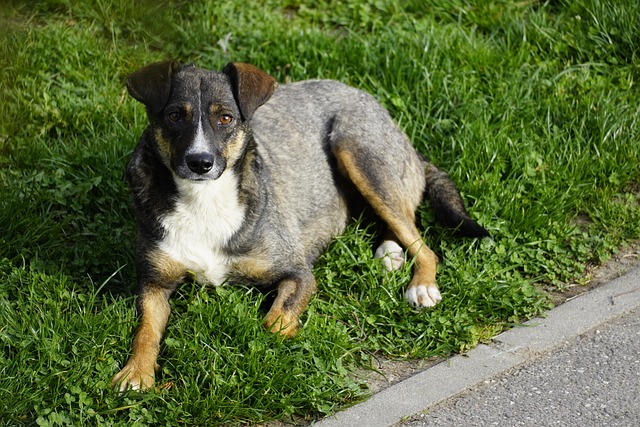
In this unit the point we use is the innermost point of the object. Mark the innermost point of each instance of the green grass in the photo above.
(531, 106)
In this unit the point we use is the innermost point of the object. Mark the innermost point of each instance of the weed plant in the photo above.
(531, 106)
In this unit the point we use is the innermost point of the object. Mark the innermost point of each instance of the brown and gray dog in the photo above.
(238, 180)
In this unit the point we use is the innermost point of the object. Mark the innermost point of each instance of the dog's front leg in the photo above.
(139, 372)
(294, 293)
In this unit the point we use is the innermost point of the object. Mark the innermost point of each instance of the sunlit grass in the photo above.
(531, 107)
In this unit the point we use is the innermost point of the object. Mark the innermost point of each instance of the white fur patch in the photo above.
(205, 217)
(391, 255)
(199, 142)
(422, 296)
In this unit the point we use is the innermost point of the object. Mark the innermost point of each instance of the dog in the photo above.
(239, 180)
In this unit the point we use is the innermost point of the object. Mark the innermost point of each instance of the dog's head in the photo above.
(199, 118)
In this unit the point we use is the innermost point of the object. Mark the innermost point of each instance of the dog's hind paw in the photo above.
(422, 296)
(391, 255)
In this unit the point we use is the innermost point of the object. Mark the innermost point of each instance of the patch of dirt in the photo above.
(387, 372)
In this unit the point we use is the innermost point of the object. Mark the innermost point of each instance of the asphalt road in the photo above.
(591, 382)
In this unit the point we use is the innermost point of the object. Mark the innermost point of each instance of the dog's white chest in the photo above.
(205, 217)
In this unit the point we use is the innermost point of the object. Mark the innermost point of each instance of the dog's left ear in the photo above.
(151, 85)
(251, 86)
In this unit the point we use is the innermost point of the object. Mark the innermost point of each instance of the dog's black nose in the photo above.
(200, 163)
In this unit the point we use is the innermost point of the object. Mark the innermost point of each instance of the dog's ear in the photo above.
(151, 85)
(251, 86)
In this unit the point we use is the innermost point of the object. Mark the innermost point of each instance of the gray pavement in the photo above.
(580, 365)
(594, 381)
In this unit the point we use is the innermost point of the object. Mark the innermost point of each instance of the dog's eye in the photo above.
(174, 117)
(225, 120)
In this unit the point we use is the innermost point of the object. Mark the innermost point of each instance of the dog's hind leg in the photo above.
(390, 252)
(395, 198)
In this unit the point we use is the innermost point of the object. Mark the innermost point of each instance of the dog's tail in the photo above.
(445, 199)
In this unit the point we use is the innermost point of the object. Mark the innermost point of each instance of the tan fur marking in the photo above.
(164, 147)
(139, 372)
(188, 109)
(215, 109)
(285, 320)
(235, 147)
(254, 267)
(400, 219)
(283, 324)
(167, 270)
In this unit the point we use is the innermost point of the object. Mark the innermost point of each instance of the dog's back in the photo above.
(298, 131)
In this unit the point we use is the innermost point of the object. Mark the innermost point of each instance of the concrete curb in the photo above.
(512, 348)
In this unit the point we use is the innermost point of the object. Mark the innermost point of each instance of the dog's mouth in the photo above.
(194, 177)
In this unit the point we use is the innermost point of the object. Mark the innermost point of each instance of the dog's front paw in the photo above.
(132, 377)
(281, 323)
(422, 296)
(391, 255)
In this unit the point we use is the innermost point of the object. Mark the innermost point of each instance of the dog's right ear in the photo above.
(151, 85)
